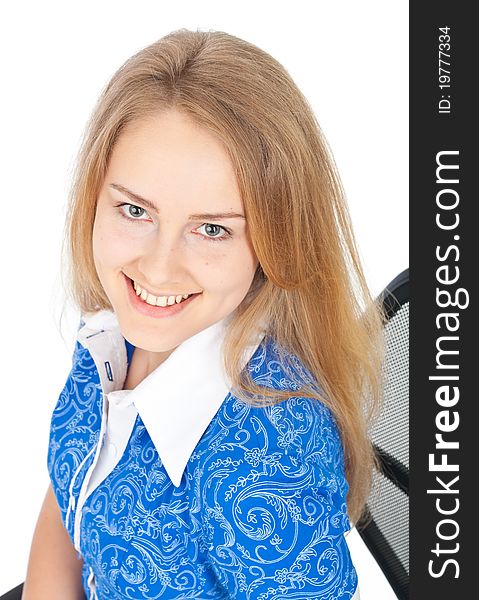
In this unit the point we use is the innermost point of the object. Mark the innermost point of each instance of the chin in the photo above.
(150, 342)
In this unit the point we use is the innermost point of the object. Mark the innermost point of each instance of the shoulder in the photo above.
(273, 491)
(297, 425)
(275, 367)
(293, 443)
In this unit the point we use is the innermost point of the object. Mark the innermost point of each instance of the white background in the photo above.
(349, 58)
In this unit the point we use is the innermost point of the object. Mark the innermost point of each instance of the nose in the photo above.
(161, 263)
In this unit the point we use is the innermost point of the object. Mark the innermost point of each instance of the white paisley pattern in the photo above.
(260, 513)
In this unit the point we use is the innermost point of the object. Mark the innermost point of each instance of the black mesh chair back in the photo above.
(15, 594)
(386, 530)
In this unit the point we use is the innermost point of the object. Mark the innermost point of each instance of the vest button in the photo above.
(111, 450)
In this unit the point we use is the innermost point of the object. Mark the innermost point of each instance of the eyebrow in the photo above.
(151, 206)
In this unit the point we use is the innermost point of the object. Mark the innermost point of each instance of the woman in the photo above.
(211, 440)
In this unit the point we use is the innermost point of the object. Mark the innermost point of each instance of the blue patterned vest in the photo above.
(260, 512)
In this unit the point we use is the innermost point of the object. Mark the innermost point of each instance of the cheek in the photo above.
(97, 243)
(109, 248)
(231, 272)
(245, 264)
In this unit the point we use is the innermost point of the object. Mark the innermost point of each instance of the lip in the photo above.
(157, 312)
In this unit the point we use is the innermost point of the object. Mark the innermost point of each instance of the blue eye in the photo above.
(214, 232)
(131, 211)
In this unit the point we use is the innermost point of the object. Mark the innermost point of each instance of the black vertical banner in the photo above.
(444, 423)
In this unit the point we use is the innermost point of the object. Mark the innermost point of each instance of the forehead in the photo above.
(167, 156)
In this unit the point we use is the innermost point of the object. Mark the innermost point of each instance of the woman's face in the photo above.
(170, 223)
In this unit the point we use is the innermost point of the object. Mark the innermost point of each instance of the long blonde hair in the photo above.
(310, 289)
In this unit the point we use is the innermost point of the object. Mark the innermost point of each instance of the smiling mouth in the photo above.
(162, 301)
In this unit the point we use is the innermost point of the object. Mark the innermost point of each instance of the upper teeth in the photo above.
(158, 300)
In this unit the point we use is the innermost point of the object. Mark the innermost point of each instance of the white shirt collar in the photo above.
(178, 400)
